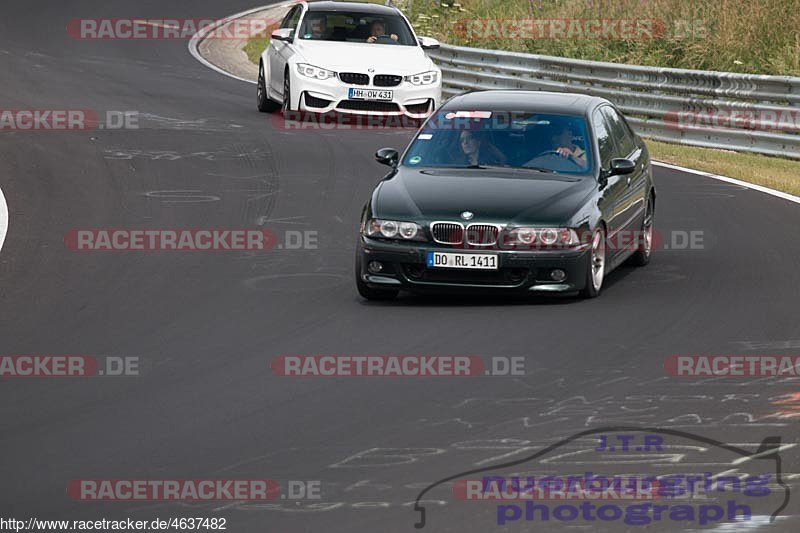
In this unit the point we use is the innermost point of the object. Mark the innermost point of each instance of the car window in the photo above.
(605, 144)
(620, 131)
(462, 139)
(293, 18)
(356, 27)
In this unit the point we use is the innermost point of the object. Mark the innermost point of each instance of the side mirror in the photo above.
(621, 167)
(283, 34)
(387, 156)
(428, 43)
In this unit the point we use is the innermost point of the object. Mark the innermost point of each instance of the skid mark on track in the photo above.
(182, 196)
(200, 124)
(170, 155)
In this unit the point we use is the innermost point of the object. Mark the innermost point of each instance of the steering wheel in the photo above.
(555, 161)
(549, 152)
(385, 39)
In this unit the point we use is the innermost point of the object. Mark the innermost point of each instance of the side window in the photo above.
(619, 131)
(292, 18)
(296, 18)
(604, 143)
(288, 17)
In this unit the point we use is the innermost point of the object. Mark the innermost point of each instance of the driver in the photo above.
(562, 144)
(378, 29)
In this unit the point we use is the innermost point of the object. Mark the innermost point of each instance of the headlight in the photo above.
(310, 71)
(423, 78)
(408, 230)
(543, 237)
(391, 229)
(525, 235)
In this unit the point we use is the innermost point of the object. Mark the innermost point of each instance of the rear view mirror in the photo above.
(387, 156)
(283, 34)
(621, 166)
(428, 43)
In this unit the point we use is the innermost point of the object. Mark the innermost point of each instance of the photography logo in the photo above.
(635, 476)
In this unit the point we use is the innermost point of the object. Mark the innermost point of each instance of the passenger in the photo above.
(476, 149)
(318, 27)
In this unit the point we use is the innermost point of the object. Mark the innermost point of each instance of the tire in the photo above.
(596, 267)
(265, 105)
(369, 293)
(645, 250)
(287, 93)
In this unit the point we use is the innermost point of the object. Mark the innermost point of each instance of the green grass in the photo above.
(773, 172)
(254, 47)
(747, 36)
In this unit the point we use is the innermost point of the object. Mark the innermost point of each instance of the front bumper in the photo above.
(404, 268)
(323, 96)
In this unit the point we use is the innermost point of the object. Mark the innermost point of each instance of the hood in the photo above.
(358, 57)
(497, 196)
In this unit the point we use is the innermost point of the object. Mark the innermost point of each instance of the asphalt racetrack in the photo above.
(206, 326)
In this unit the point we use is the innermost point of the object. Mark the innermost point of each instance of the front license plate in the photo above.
(369, 94)
(471, 261)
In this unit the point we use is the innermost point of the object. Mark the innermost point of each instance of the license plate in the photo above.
(471, 261)
(369, 94)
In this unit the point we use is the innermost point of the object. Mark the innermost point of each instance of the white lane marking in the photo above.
(3, 219)
(759, 188)
(198, 37)
(762, 454)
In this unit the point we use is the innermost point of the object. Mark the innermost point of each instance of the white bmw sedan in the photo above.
(348, 57)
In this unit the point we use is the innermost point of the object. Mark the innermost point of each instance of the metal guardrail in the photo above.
(655, 100)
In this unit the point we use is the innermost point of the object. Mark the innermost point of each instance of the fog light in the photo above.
(558, 275)
(375, 267)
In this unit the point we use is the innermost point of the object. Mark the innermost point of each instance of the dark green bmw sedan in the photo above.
(509, 191)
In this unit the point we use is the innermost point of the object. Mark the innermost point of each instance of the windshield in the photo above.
(464, 139)
(356, 27)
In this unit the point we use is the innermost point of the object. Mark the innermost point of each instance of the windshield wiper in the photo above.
(500, 167)
(540, 169)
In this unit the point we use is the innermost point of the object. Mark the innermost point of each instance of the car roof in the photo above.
(523, 101)
(372, 9)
